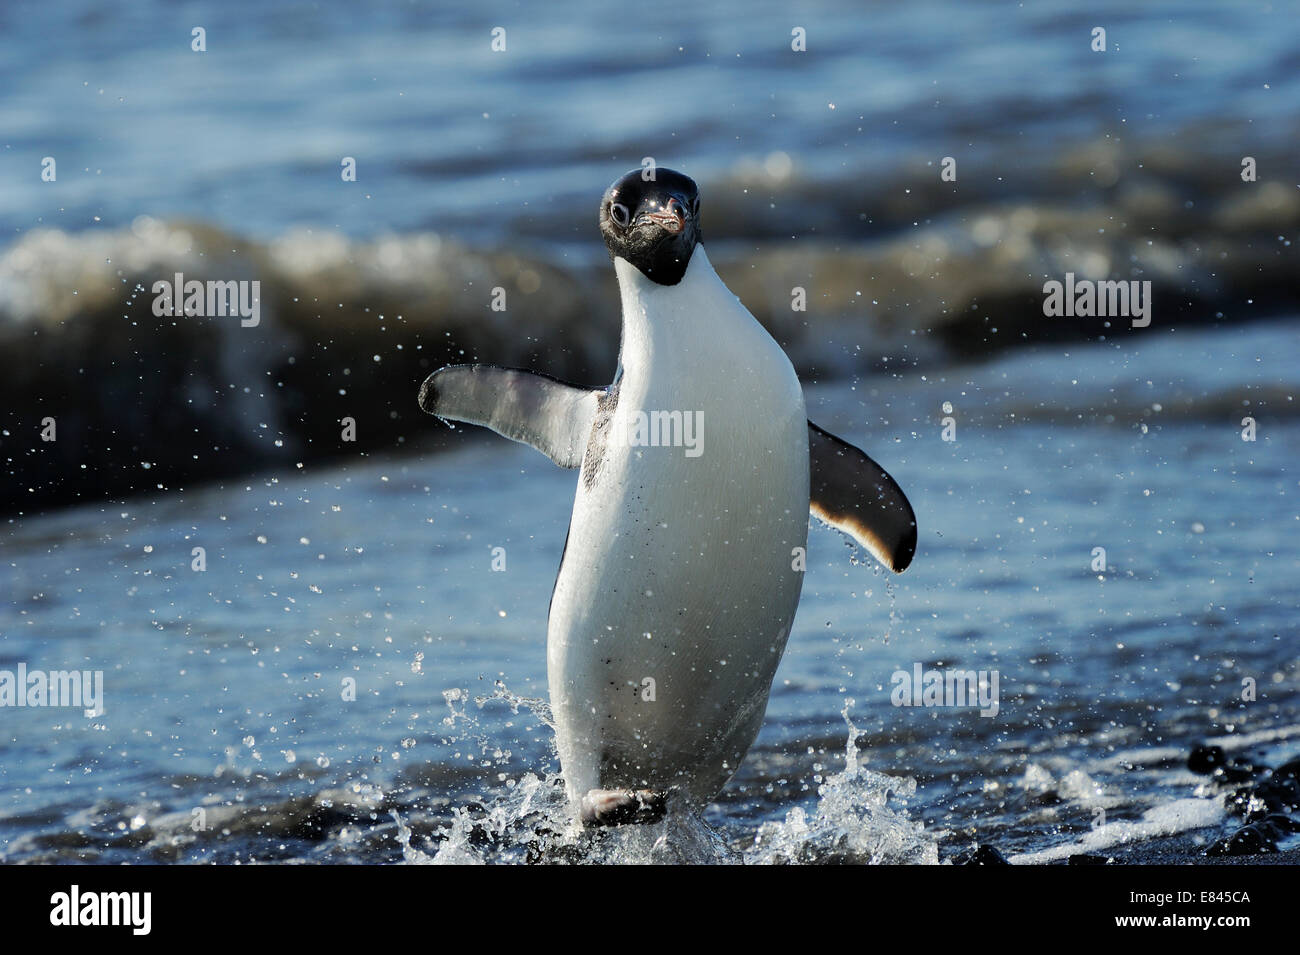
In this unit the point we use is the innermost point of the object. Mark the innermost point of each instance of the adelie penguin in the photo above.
(681, 572)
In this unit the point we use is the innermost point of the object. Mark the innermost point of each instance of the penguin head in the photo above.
(653, 223)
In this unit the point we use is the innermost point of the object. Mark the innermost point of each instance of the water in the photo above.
(449, 135)
(225, 688)
(348, 680)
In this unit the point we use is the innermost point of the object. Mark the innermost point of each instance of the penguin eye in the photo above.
(619, 213)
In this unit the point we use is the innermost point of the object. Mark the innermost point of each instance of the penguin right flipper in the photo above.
(856, 496)
(543, 412)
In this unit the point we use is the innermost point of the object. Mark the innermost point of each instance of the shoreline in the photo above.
(349, 328)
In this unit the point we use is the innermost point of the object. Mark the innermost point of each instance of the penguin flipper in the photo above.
(537, 410)
(857, 497)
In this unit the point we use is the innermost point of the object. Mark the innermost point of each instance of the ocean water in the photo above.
(449, 135)
(350, 680)
(226, 734)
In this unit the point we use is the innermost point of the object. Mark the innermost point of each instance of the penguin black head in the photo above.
(653, 223)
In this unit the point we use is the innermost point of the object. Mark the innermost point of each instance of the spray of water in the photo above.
(857, 818)
(852, 822)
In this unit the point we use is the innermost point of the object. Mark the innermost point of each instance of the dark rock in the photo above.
(1279, 795)
(1235, 772)
(1246, 841)
(1282, 823)
(980, 855)
(1084, 858)
(1206, 759)
(1288, 771)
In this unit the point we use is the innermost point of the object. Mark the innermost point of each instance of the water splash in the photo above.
(853, 821)
(530, 823)
(528, 820)
(535, 705)
(893, 610)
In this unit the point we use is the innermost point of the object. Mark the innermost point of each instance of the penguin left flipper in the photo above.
(543, 412)
(857, 497)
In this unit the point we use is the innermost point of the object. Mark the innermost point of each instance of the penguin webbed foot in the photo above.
(621, 807)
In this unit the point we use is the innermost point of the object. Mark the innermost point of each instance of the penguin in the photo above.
(697, 471)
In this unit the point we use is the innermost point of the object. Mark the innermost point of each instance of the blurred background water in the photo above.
(450, 135)
(476, 168)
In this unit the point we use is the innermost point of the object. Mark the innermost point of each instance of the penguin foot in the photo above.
(619, 807)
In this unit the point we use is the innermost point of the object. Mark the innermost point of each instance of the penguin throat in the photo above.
(660, 319)
(664, 263)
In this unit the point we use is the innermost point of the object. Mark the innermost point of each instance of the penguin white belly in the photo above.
(677, 590)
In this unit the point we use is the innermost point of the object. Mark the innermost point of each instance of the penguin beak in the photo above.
(671, 217)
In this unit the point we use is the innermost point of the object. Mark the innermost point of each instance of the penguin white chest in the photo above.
(678, 585)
